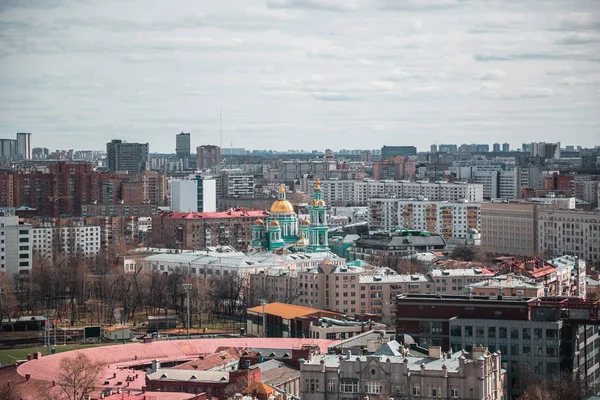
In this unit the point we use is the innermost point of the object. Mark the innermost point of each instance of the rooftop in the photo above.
(169, 374)
(231, 213)
(285, 311)
(460, 272)
(275, 373)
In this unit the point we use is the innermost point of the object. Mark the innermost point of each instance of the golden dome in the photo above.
(281, 189)
(259, 222)
(274, 223)
(305, 222)
(282, 206)
(318, 184)
(303, 242)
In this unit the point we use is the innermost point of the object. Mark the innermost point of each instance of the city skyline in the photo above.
(300, 73)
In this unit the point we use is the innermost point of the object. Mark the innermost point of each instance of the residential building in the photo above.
(123, 156)
(399, 243)
(461, 375)
(449, 219)
(237, 185)
(569, 232)
(182, 145)
(394, 168)
(195, 230)
(23, 150)
(506, 285)
(496, 147)
(571, 275)
(530, 334)
(388, 152)
(545, 150)
(8, 149)
(539, 271)
(118, 210)
(208, 156)
(505, 147)
(284, 320)
(509, 228)
(197, 194)
(359, 193)
(77, 238)
(15, 246)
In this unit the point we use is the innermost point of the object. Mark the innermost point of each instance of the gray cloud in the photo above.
(290, 72)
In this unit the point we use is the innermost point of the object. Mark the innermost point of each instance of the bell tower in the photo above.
(318, 229)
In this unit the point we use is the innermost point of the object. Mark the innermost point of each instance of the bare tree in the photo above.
(77, 376)
(8, 302)
(8, 391)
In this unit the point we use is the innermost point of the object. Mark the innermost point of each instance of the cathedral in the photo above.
(282, 228)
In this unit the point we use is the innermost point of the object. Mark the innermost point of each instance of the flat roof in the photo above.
(286, 311)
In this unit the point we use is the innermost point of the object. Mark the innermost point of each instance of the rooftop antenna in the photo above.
(221, 124)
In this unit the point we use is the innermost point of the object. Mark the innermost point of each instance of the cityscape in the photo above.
(299, 200)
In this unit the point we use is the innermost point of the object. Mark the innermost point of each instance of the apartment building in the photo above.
(531, 337)
(237, 185)
(123, 156)
(462, 375)
(15, 246)
(449, 219)
(348, 192)
(48, 239)
(509, 228)
(394, 168)
(569, 232)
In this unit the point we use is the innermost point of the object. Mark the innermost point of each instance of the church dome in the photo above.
(274, 223)
(303, 242)
(305, 222)
(259, 222)
(319, 203)
(282, 206)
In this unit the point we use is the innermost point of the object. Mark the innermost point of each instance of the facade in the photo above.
(15, 247)
(395, 168)
(117, 332)
(208, 156)
(349, 192)
(23, 150)
(388, 152)
(194, 230)
(123, 156)
(282, 229)
(184, 195)
(475, 375)
(531, 337)
(47, 239)
(545, 150)
(119, 210)
(237, 185)
(8, 148)
(182, 145)
(451, 220)
(509, 228)
(569, 232)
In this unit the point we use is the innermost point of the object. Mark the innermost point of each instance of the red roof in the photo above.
(535, 267)
(231, 213)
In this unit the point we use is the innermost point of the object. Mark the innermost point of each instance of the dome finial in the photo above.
(318, 184)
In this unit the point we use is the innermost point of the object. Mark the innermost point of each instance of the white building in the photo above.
(569, 232)
(236, 185)
(78, 238)
(15, 246)
(344, 192)
(193, 195)
(449, 219)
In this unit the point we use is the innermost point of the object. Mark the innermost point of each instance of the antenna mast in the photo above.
(221, 124)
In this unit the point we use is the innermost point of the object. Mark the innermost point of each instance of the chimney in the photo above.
(435, 351)
(478, 351)
(155, 365)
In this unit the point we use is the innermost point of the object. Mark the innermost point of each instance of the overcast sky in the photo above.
(309, 74)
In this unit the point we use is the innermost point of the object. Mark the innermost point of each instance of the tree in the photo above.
(465, 253)
(9, 392)
(8, 302)
(564, 386)
(77, 376)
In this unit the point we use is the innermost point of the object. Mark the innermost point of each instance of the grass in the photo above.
(10, 356)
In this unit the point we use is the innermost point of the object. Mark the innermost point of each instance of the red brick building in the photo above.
(189, 231)
(394, 168)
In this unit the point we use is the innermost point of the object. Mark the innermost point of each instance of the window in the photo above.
(331, 385)
(468, 331)
(454, 393)
(349, 386)
(479, 331)
(492, 332)
(416, 391)
(537, 333)
(526, 334)
(373, 388)
(502, 333)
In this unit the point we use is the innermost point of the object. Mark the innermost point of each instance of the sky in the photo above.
(300, 74)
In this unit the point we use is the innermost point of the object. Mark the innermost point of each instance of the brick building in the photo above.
(191, 231)
(394, 168)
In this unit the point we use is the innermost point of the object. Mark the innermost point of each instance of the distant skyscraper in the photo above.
(506, 147)
(182, 145)
(433, 148)
(122, 156)
(545, 150)
(448, 148)
(496, 147)
(208, 156)
(24, 145)
(388, 152)
(8, 148)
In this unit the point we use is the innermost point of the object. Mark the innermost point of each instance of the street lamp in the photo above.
(187, 287)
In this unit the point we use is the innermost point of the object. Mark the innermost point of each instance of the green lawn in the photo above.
(10, 356)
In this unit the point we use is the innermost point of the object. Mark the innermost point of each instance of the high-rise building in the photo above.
(496, 147)
(15, 246)
(24, 145)
(509, 228)
(208, 156)
(123, 156)
(433, 148)
(8, 148)
(505, 147)
(545, 150)
(393, 151)
(394, 168)
(182, 145)
(193, 195)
